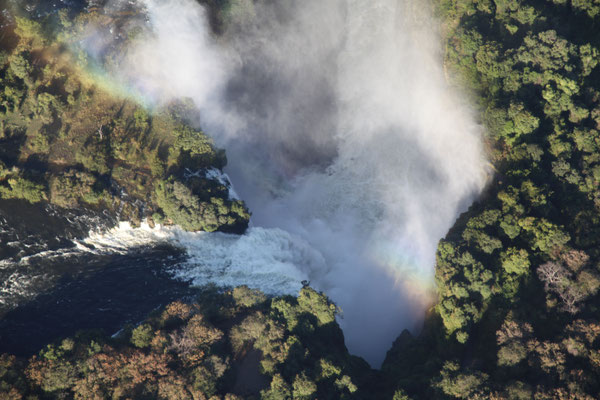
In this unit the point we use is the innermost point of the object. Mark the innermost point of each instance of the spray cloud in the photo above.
(343, 137)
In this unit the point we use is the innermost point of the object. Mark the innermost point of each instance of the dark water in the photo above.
(49, 289)
(27, 229)
(106, 293)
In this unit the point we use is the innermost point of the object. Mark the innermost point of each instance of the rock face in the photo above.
(69, 138)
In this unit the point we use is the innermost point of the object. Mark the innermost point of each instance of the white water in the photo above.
(265, 258)
(344, 138)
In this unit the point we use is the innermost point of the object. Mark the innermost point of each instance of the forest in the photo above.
(518, 276)
(235, 341)
(68, 137)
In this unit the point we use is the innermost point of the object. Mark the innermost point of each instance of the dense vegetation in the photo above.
(232, 345)
(518, 275)
(66, 139)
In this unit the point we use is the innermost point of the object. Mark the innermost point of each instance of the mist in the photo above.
(343, 137)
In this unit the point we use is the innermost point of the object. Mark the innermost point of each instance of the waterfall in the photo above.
(352, 151)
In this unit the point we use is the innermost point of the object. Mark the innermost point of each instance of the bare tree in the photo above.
(571, 296)
(557, 280)
(553, 275)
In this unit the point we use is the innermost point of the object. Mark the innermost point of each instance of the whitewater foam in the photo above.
(350, 148)
(269, 259)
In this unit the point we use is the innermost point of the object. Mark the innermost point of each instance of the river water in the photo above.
(350, 148)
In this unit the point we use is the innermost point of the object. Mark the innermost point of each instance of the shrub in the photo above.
(246, 297)
(515, 261)
(303, 387)
(72, 187)
(142, 336)
(21, 188)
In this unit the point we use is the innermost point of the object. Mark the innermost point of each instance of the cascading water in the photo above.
(345, 140)
(351, 150)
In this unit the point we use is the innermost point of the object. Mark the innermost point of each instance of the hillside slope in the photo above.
(68, 137)
(518, 275)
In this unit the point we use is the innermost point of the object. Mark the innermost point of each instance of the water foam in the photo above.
(350, 148)
(269, 259)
